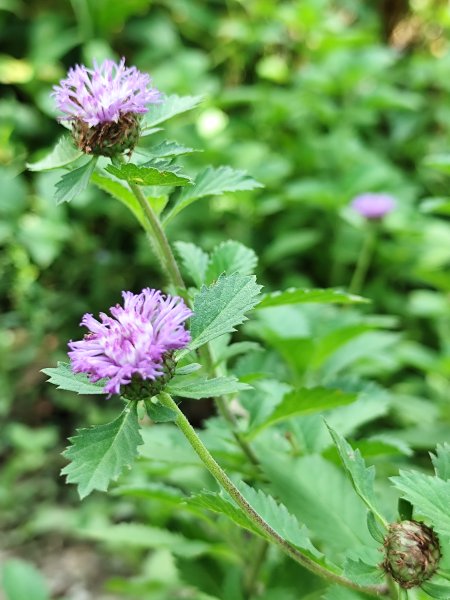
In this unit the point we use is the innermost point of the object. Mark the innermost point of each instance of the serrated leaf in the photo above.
(145, 536)
(159, 413)
(362, 477)
(362, 573)
(165, 149)
(430, 497)
(299, 295)
(161, 173)
(230, 257)
(220, 504)
(120, 192)
(204, 388)
(441, 461)
(64, 379)
(194, 261)
(274, 514)
(305, 401)
(99, 454)
(221, 306)
(212, 182)
(61, 155)
(168, 108)
(22, 581)
(74, 182)
(279, 518)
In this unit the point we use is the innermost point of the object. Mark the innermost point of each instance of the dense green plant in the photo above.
(337, 111)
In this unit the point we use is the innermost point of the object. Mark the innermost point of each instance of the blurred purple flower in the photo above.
(105, 93)
(373, 206)
(133, 342)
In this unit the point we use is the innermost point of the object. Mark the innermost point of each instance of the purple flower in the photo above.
(373, 206)
(104, 94)
(134, 341)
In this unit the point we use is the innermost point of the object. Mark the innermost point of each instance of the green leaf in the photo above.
(441, 461)
(22, 581)
(375, 530)
(65, 379)
(222, 505)
(62, 154)
(169, 107)
(405, 509)
(362, 573)
(279, 518)
(318, 493)
(298, 295)
(430, 497)
(212, 182)
(145, 536)
(99, 454)
(439, 589)
(74, 182)
(159, 413)
(362, 477)
(188, 369)
(231, 257)
(274, 514)
(204, 388)
(120, 192)
(161, 173)
(152, 490)
(194, 261)
(336, 592)
(165, 149)
(439, 162)
(221, 306)
(305, 401)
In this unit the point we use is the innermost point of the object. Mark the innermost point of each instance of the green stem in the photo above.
(265, 529)
(364, 259)
(160, 238)
(153, 226)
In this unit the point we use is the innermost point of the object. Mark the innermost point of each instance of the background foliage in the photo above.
(319, 101)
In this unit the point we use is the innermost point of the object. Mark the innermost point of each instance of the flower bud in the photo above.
(412, 553)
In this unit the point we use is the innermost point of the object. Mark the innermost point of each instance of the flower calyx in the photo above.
(412, 553)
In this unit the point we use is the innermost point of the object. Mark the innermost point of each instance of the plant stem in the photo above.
(154, 228)
(265, 529)
(364, 259)
(160, 238)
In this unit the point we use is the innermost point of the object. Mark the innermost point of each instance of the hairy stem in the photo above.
(266, 530)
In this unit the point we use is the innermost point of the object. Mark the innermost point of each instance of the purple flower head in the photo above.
(373, 206)
(134, 342)
(105, 93)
